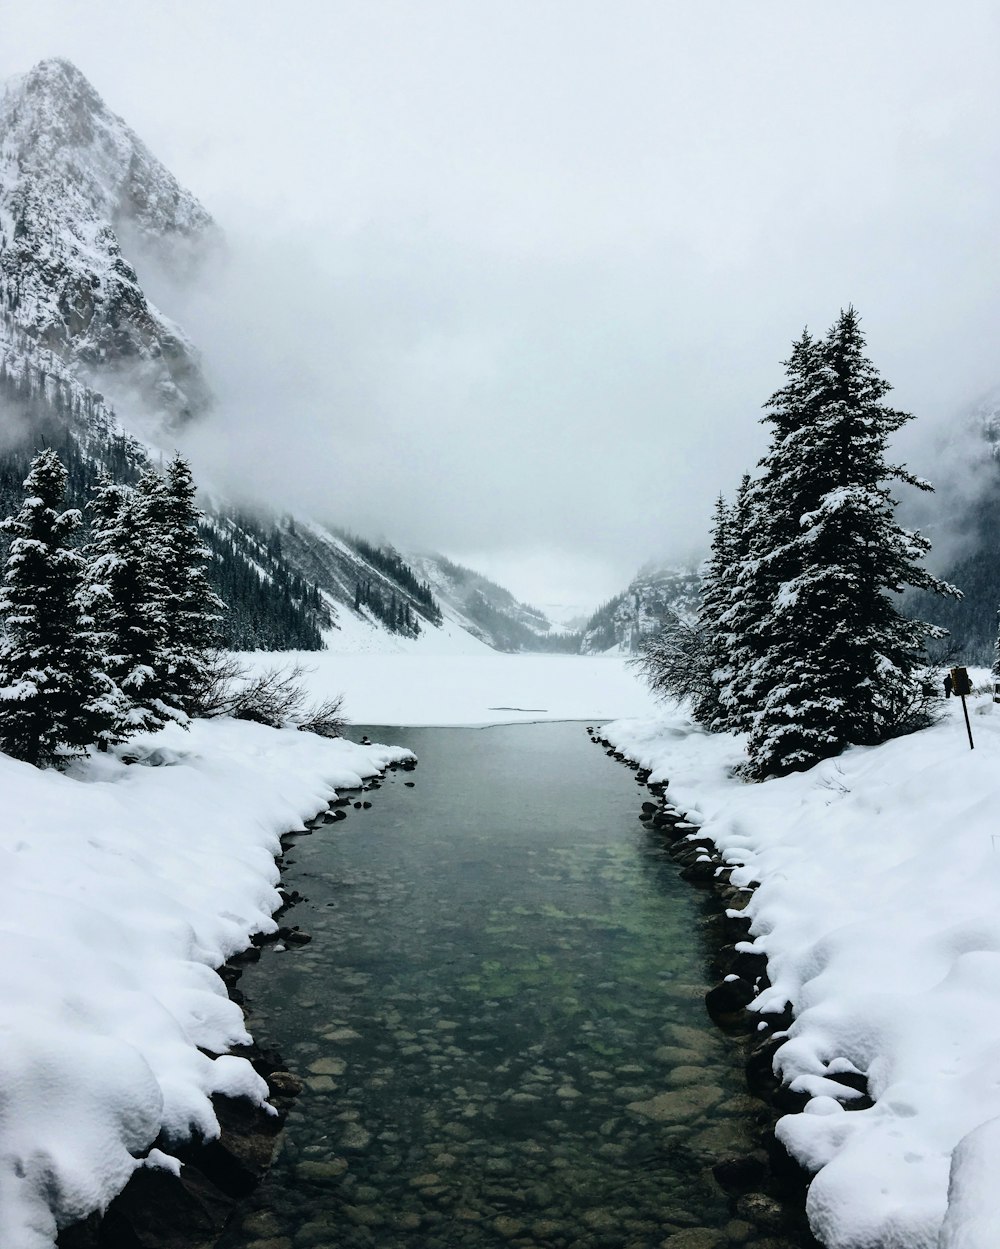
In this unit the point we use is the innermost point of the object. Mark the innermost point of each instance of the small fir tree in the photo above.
(743, 604)
(127, 598)
(55, 697)
(715, 591)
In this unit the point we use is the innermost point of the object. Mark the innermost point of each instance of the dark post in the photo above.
(962, 685)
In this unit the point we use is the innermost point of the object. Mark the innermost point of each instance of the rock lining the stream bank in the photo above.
(161, 1209)
(766, 1185)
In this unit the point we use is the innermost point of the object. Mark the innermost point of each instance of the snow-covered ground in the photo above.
(474, 685)
(879, 912)
(124, 887)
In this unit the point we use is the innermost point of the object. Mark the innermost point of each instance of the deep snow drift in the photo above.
(879, 912)
(124, 886)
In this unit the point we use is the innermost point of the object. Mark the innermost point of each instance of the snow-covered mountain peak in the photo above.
(58, 130)
(73, 176)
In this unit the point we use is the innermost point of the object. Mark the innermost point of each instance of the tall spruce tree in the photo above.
(192, 608)
(836, 660)
(127, 597)
(769, 509)
(55, 697)
(743, 603)
(715, 591)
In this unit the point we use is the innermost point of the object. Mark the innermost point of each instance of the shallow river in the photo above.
(504, 968)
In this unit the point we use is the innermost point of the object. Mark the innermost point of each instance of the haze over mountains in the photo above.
(89, 363)
(87, 359)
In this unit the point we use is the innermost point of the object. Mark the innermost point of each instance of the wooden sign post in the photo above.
(962, 685)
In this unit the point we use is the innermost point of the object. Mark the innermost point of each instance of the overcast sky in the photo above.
(512, 280)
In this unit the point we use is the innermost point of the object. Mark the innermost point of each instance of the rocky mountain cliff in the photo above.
(962, 519)
(87, 362)
(488, 611)
(73, 178)
(653, 594)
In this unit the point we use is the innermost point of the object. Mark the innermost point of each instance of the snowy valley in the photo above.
(781, 706)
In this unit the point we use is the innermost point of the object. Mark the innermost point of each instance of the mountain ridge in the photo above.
(88, 360)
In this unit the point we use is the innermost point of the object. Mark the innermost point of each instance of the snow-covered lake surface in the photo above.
(423, 687)
(879, 912)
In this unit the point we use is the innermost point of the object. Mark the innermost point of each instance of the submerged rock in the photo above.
(678, 1106)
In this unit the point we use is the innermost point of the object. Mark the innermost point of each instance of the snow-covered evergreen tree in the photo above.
(192, 608)
(126, 596)
(55, 697)
(838, 662)
(766, 525)
(744, 603)
(715, 591)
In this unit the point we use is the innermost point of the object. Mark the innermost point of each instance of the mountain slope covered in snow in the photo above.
(73, 177)
(90, 365)
(963, 517)
(651, 597)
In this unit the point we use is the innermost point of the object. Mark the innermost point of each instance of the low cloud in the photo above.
(404, 389)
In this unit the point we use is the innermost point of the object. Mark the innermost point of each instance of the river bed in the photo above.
(505, 972)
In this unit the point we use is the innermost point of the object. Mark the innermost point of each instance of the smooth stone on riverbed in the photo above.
(428, 1180)
(327, 1170)
(546, 1229)
(341, 1036)
(364, 1216)
(676, 1056)
(355, 1137)
(321, 1084)
(328, 1067)
(260, 1224)
(407, 1221)
(680, 1076)
(690, 1038)
(723, 1136)
(602, 1220)
(694, 1238)
(679, 1105)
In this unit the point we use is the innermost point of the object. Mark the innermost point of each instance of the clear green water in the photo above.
(504, 968)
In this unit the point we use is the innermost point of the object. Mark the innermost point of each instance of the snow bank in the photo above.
(486, 687)
(879, 913)
(123, 887)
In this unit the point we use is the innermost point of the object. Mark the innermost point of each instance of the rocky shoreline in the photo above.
(191, 1207)
(766, 1186)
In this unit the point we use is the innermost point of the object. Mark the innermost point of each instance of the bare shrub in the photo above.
(674, 662)
(276, 697)
(899, 711)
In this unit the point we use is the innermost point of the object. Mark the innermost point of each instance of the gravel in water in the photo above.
(500, 1020)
